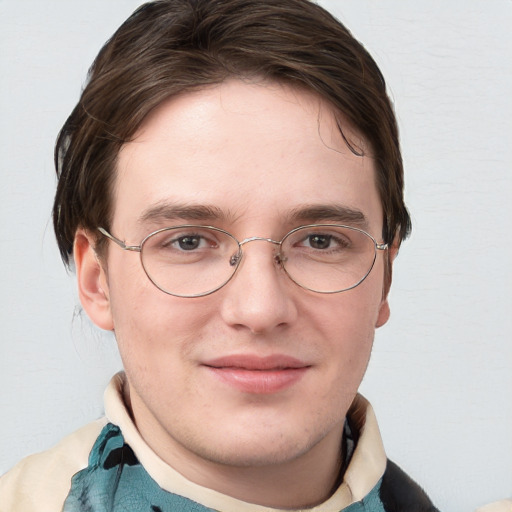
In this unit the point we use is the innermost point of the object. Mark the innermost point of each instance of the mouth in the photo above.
(258, 375)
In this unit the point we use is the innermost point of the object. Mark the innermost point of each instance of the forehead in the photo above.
(248, 150)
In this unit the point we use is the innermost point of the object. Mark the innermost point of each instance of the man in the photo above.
(231, 195)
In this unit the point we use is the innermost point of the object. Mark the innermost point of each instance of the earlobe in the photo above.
(384, 313)
(92, 281)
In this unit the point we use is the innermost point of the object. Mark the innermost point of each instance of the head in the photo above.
(232, 105)
(169, 47)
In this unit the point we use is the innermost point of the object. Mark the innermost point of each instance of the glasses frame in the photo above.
(237, 258)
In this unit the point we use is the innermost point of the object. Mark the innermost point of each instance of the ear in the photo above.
(384, 311)
(92, 281)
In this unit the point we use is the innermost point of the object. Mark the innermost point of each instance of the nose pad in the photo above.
(235, 259)
(280, 259)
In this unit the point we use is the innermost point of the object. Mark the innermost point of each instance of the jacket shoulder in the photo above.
(42, 481)
(400, 493)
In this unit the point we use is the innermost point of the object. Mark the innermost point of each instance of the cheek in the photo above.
(155, 331)
(141, 319)
(352, 315)
(348, 322)
(351, 346)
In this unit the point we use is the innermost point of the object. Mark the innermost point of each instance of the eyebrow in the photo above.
(329, 213)
(310, 214)
(166, 211)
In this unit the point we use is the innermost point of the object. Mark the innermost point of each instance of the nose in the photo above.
(260, 296)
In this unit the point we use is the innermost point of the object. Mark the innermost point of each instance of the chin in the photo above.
(252, 455)
(268, 446)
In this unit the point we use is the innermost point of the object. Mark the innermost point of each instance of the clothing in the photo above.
(497, 506)
(107, 467)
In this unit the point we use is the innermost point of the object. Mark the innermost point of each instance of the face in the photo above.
(262, 371)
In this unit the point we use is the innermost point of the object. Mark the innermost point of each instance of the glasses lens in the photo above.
(189, 261)
(327, 258)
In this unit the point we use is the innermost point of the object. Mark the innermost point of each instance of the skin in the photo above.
(257, 152)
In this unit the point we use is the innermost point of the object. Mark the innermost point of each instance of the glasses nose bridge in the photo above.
(258, 239)
(277, 257)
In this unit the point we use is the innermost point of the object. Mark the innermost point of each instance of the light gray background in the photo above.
(440, 377)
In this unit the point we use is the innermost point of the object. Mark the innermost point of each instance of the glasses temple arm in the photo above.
(121, 244)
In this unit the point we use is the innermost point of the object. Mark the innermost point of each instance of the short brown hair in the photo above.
(170, 46)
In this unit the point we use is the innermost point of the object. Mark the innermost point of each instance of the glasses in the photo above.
(193, 261)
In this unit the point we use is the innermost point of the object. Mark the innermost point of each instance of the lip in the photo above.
(258, 375)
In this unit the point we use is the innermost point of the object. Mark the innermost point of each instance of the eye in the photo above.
(187, 245)
(189, 242)
(326, 244)
(178, 242)
(319, 241)
(324, 241)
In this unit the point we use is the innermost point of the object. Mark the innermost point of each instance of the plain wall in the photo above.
(440, 377)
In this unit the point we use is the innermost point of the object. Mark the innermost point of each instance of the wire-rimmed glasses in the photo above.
(193, 261)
